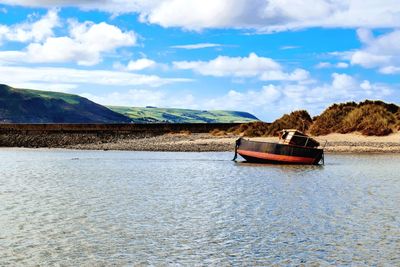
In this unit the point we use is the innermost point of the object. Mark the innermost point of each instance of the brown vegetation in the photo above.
(300, 120)
(369, 118)
(330, 120)
(252, 129)
(218, 132)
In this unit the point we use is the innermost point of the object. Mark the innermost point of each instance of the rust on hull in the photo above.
(296, 149)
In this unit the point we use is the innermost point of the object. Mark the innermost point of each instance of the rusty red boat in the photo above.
(293, 147)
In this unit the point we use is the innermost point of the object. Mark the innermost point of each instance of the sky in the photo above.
(266, 57)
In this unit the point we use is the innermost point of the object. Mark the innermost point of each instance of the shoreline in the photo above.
(336, 143)
(184, 142)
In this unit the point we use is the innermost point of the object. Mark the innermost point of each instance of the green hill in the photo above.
(32, 106)
(173, 115)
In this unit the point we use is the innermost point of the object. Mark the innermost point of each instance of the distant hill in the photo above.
(173, 115)
(32, 106)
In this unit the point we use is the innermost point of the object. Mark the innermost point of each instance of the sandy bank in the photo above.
(191, 142)
(205, 142)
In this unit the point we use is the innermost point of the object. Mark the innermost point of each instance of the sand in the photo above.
(344, 143)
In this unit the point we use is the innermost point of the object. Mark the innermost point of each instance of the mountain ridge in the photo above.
(37, 106)
(177, 115)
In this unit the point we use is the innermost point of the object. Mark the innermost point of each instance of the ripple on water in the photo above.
(96, 208)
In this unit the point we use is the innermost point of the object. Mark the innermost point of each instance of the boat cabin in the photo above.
(296, 138)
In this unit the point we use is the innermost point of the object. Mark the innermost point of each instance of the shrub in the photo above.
(331, 119)
(251, 129)
(299, 120)
(369, 119)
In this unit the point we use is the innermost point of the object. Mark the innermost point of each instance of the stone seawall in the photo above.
(140, 129)
(66, 135)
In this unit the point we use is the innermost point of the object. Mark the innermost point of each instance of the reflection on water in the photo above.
(124, 208)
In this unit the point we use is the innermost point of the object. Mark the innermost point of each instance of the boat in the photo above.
(293, 147)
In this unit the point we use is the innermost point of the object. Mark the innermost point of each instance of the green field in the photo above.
(174, 115)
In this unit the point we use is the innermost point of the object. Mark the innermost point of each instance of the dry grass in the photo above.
(371, 118)
(300, 120)
(368, 117)
(330, 120)
(218, 133)
(252, 129)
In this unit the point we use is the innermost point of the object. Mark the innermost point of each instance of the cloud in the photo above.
(132, 98)
(85, 45)
(327, 65)
(142, 98)
(28, 31)
(289, 47)
(389, 70)
(260, 15)
(271, 101)
(251, 66)
(54, 87)
(382, 52)
(140, 64)
(196, 46)
(14, 75)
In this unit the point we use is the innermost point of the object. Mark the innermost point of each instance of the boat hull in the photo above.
(264, 152)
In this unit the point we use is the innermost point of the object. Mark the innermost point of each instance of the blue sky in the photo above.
(266, 57)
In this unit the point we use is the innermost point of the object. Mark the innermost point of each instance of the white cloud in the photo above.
(142, 98)
(382, 52)
(296, 75)
(85, 45)
(342, 65)
(343, 81)
(132, 98)
(327, 65)
(268, 102)
(252, 66)
(324, 65)
(54, 87)
(261, 15)
(196, 46)
(271, 101)
(31, 30)
(289, 47)
(49, 75)
(366, 85)
(389, 70)
(140, 64)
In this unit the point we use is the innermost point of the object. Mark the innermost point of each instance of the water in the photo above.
(144, 208)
